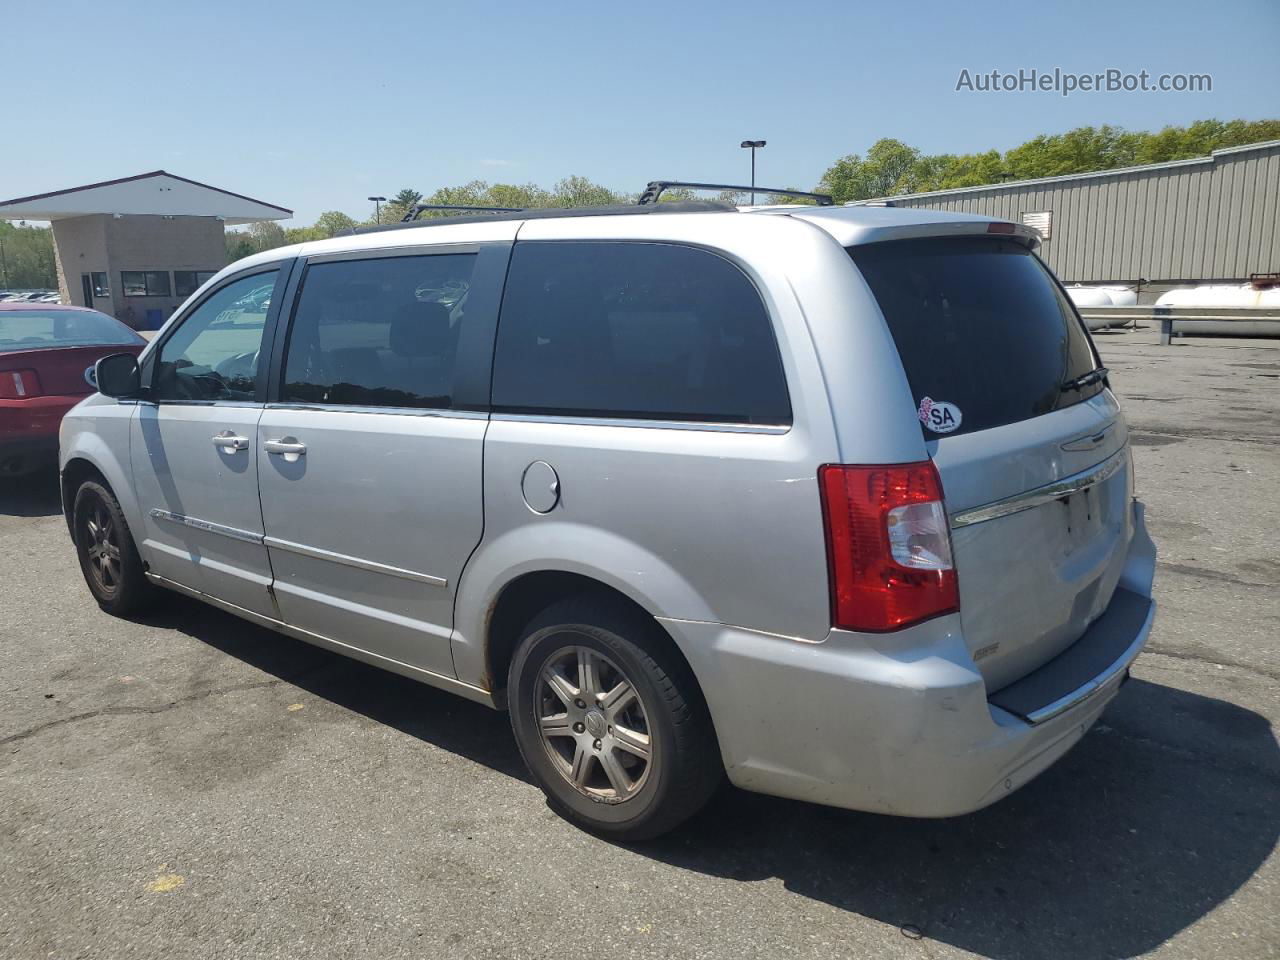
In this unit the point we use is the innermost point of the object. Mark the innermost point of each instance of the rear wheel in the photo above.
(610, 722)
(108, 558)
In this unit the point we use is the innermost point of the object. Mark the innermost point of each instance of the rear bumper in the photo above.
(29, 431)
(902, 724)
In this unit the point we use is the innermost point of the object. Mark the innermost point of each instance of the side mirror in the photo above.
(117, 375)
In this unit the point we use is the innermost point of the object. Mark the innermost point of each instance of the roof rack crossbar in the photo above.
(418, 208)
(482, 215)
(656, 187)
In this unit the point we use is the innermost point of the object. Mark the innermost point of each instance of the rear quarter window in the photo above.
(980, 325)
(635, 330)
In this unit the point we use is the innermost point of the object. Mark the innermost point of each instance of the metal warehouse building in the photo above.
(1210, 219)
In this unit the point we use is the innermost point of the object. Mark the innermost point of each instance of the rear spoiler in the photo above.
(854, 225)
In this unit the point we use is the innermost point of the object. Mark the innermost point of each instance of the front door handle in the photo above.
(287, 447)
(228, 442)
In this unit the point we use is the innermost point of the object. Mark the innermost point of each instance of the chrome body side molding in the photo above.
(235, 533)
(372, 566)
(301, 549)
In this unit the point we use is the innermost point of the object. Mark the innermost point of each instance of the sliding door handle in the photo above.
(287, 447)
(228, 442)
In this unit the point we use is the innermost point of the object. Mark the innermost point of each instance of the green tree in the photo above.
(888, 168)
(466, 195)
(949, 170)
(569, 192)
(527, 196)
(1076, 151)
(581, 192)
(406, 198)
(1202, 138)
(239, 245)
(784, 199)
(892, 167)
(400, 204)
(303, 234)
(334, 222)
(26, 258)
(267, 235)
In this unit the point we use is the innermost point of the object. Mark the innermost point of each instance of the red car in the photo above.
(44, 352)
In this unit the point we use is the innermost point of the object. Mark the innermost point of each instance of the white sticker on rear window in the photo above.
(939, 416)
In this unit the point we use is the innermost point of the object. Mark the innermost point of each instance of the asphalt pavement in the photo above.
(189, 785)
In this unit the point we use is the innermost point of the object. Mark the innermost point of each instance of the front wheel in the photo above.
(610, 722)
(108, 558)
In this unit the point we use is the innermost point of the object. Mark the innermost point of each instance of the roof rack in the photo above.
(656, 187)
(488, 215)
(418, 208)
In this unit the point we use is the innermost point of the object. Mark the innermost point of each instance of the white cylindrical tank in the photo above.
(1090, 296)
(1220, 295)
(1122, 296)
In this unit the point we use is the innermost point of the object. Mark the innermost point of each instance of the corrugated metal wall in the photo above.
(1210, 219)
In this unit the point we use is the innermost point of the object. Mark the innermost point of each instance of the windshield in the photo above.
(41, 329)
(985, 335)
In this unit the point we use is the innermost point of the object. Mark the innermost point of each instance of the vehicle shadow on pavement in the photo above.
(434, 716)
(30, 495)
(1161, 813)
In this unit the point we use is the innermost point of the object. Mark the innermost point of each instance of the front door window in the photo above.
(213, 355)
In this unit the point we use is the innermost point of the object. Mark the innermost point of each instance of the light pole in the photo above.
(377, 208)
(752, 145)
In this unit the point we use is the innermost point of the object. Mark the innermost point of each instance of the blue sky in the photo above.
(316, 105)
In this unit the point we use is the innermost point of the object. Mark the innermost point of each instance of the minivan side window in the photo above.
(213, 354)
(378, 332)
(635, 330)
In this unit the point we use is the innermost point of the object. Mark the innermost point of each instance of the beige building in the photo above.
(1213, 219)
(136, 247)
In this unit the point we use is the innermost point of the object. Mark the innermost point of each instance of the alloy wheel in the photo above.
(102, 547)
(593, 724)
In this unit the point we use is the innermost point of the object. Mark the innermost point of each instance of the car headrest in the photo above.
(420, 329)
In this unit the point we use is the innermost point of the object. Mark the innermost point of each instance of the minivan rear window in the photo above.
(985, 334)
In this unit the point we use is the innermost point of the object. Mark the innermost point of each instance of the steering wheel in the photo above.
(242, 364)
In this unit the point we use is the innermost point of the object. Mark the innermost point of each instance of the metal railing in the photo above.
(1175, 321)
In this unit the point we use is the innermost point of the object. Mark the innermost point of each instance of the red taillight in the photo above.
(1001, 226)
(18, 384)
(888, 546)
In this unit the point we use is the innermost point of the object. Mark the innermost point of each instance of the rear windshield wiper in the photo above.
(1085, 379)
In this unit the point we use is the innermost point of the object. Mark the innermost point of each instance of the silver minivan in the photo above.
(834, 501)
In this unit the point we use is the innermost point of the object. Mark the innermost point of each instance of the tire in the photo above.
(637, 694)
(108, 557)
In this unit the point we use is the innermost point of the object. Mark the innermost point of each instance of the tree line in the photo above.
(892, 167)
(889, 167)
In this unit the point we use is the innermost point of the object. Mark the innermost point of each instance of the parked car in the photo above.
(836, 500)
(44, 352)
